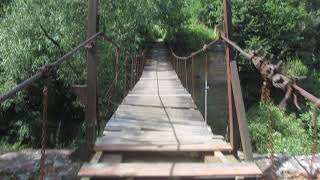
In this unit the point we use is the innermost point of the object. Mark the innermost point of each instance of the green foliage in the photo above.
(36, 32)
(288, 131)
(296, 68)
(290, 31)
(191, 33)
(193, 37)
(211, 12)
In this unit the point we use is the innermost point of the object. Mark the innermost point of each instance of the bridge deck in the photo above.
(157, 131)
(158, 114)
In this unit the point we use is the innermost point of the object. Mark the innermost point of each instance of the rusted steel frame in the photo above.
(125, 77)
(144, 61)
(241, 114)
(227, 29)
(67, 56)
(307, 95)
(192, 78)
(137, 69)
(176, 62)
(117, 74)
(36, 77)
(140, 66)
(182, 76)
(186, 74)
(108, 39)
(134, 70)
(117, 66)
(234, 45)
(315, 133)
(21, 86)
(44, 129)
(297, 88)
(178, 67)
(110, 87)
(131, 72)
(206, 46)
(91, 117)
(206, 88)
(180, 70)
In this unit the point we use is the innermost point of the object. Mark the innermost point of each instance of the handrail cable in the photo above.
(275, 74)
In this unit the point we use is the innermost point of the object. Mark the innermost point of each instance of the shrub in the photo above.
(288, 133)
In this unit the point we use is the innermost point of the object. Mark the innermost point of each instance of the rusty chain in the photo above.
(44, 128)
(315, 141)
(265, 98)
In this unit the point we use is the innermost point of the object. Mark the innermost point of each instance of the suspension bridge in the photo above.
(157, 131)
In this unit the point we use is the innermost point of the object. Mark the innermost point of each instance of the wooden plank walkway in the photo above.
(159, 115)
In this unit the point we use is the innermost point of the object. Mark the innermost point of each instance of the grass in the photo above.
(192, 36)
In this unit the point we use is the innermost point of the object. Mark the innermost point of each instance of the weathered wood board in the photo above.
(214, 170)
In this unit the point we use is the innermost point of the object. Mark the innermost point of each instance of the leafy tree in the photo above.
(36, 32)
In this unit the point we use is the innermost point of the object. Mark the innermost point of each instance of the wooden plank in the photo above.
(219, 155)
(211, 159)
(186, 116)
(178, 102)
(111, 158)
(163, 147)
(231, 158)
(162, 95)
(120, 124)
(144, 101)
(241, 114)
(212, 170)
(95, 159)
(176, 135)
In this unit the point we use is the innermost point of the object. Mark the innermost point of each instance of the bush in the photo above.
(193, 37)
(288, 131)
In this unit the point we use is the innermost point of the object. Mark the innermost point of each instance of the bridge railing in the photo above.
(132, 69)
(180, 65)
(271, 75)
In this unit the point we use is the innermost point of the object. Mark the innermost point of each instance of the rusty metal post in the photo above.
(176, 64)
(44, 129)
(180, 71)
(141, 65)
(206, 87)
(186, 74)
(116, 76)
(125, 77)
(192, 78)
(137, 68)
(227, 32)
(178, 68)
(134, 70)
(91, 108)
(116, 68)
(132, 74)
